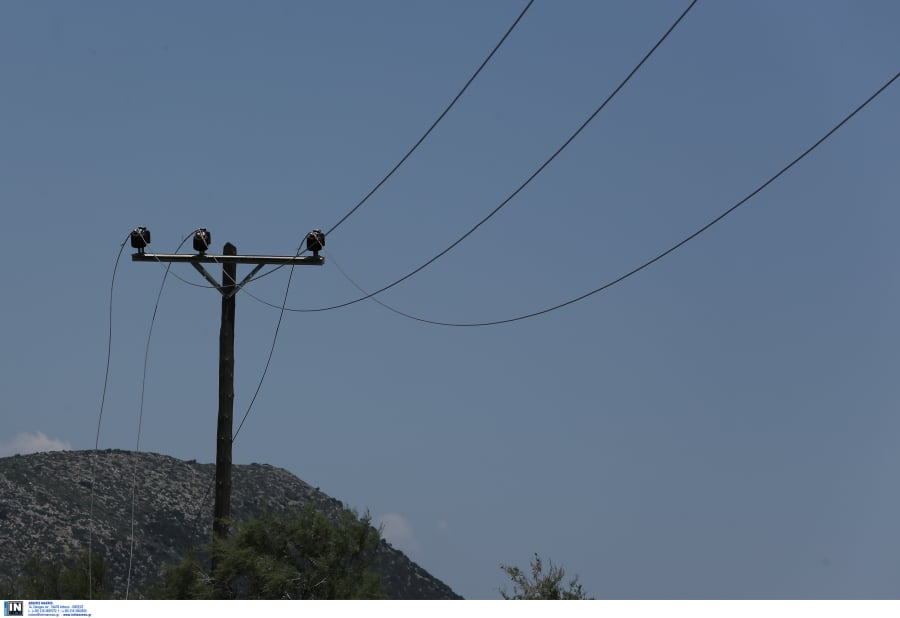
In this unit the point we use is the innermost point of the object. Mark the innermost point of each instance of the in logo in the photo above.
(13, 608)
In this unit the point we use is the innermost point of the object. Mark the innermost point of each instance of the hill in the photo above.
(45, 503)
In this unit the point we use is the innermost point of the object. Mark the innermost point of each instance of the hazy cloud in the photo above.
(399, 533)
(25, 443)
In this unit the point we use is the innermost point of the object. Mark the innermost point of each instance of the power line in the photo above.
(137, 447)
(191, 283)
(112, 286)
(421, 139)
(649, 262)
(140, 419)
(514, 193)
(435, 123)
(287, 289)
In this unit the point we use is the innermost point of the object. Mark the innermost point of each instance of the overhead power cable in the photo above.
(112, 287)
(433, 124)
(418, 143)
(511, 195)
(649, 262)
(140, 419)
(137, 448)
(287, 289)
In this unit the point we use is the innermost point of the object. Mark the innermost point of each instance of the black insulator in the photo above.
(315, 242)
(202, 240)
(140, 238)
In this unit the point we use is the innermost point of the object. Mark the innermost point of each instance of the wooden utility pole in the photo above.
(222, 507)
(229, 287)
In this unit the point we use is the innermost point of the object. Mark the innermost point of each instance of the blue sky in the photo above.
(721, 425)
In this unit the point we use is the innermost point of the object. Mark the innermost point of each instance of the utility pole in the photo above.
(225, 424)
(229, 287)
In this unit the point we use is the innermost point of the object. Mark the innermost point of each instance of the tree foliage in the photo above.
(59, 578)
(303, 555)
(541, 585)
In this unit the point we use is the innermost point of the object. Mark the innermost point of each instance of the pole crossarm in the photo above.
(197, 260)
(206, 258)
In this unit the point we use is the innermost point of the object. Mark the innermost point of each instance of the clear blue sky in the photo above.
(723, 424)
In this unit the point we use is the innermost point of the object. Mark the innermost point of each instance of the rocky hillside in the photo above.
(45, 511)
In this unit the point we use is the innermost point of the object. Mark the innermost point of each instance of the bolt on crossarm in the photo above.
(229, 287)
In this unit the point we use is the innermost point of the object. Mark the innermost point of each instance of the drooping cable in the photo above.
(512, 195)
(420, 140)
(191, 283)
(287, 289)
(141, 415)
(112, 286)
(435, 123)
(649, 262)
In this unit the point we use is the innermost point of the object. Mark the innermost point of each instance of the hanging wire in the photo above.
(141, 415)
(518, 190)
(109, 336)
(649, 262)
(418, 143)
